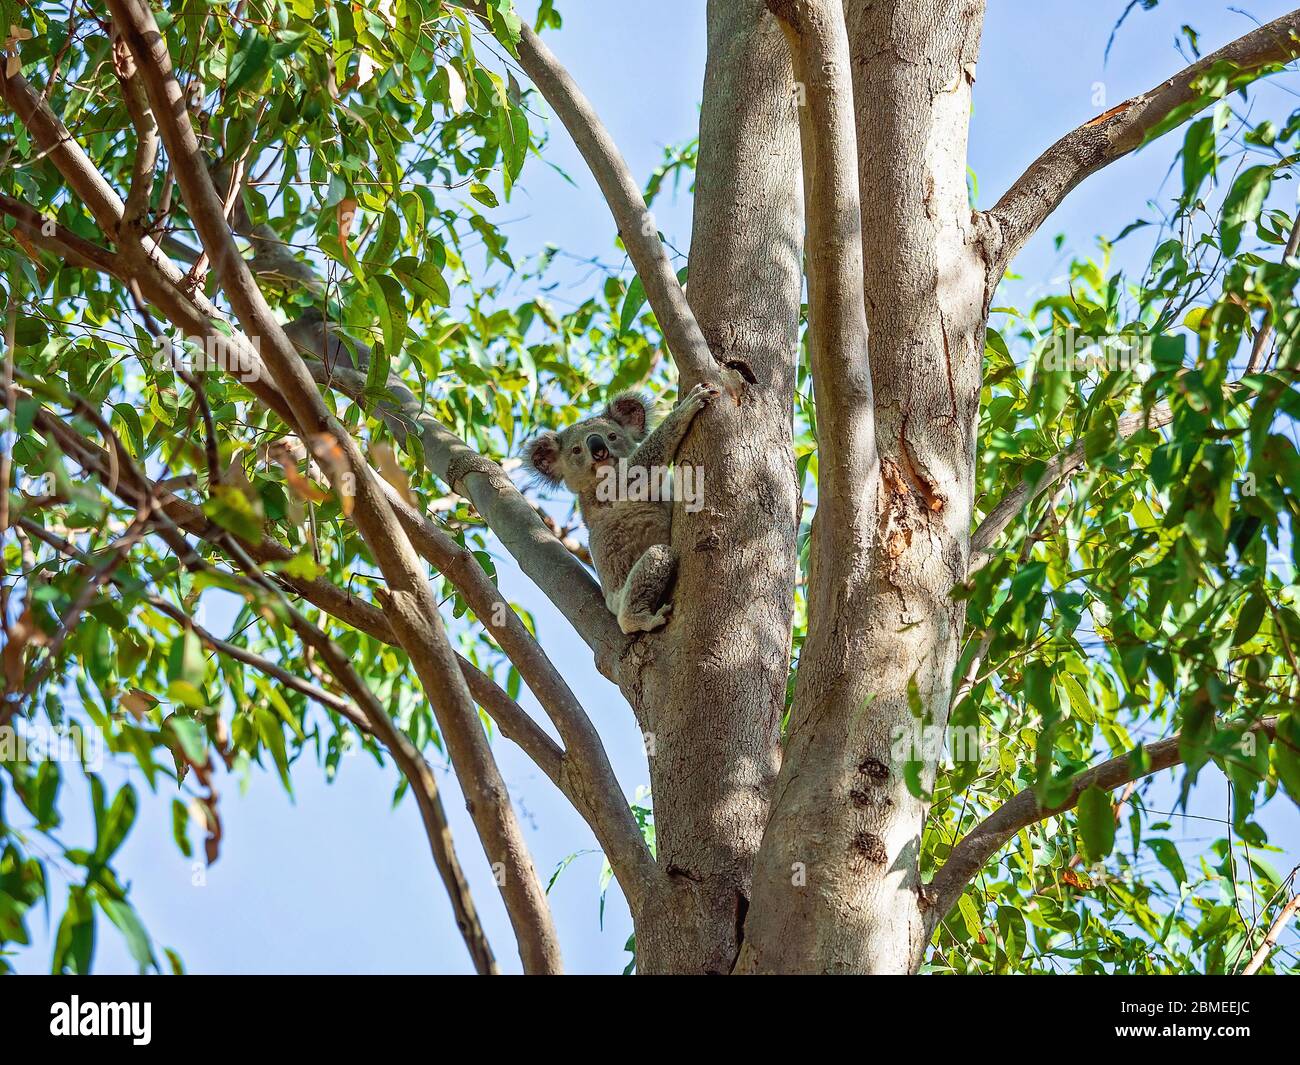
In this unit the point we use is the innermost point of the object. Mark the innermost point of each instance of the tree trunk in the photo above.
(837, 884)
(712, 687)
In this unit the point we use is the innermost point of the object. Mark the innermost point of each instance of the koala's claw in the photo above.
(702, 396)
(645, 622)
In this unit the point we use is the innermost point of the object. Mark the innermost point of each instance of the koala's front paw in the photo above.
(701, 396)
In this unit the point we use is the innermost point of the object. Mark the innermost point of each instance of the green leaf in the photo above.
(1011, 927)
(128, 923)
(1200, 154)
(191, 737)
(251, 61)
(513, 135)
(633, 301)
(288, 44)
(30, 332)
(484, 194)
(268, 728)
(392, 318)
(186, 661)
(74, 945)
(126, 415)
(1243, 204)
(301, 567)
(1248, 621)
(970, 915)
(121, 816)
(1286, 754)
(424, 280)
(1096, 824)
(230, 508)
(180, 828)
(1167, 854)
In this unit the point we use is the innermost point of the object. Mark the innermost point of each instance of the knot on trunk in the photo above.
(874, 770)
(870, 848)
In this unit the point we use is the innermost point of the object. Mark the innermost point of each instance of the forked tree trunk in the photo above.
(835, 880)
(837, 884)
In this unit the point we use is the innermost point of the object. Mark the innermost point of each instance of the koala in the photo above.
(630, 539)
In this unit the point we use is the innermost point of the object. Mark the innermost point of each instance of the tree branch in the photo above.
(410, 762)
(96, 576)
(411, 608)
(158, 277)
(408, 600)
(58, 240)
(971, 677)
(1270, 939)
(582, 774)
(327, 699)
(837, 317)
(131, 487)
(1059, 469)
(594, 787)
(146, 129)
(541, 556)
(970, 854)
(1110, 136)
(62, 150)
(414, 768)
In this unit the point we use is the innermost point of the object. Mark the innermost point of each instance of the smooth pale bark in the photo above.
(837, 884)
(712, 685)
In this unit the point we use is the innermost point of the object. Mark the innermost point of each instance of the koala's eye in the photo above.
(613, 438)
(576, 450)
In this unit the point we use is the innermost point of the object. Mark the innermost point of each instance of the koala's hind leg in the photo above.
(643, 604)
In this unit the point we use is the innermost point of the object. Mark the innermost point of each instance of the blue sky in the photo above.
(337, 880)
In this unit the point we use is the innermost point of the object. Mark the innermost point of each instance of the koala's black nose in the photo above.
(596, 445)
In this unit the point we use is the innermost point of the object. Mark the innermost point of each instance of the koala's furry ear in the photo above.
(543, 457)
(630, 410)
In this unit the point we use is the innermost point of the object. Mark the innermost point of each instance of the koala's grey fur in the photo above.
(630, 539)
